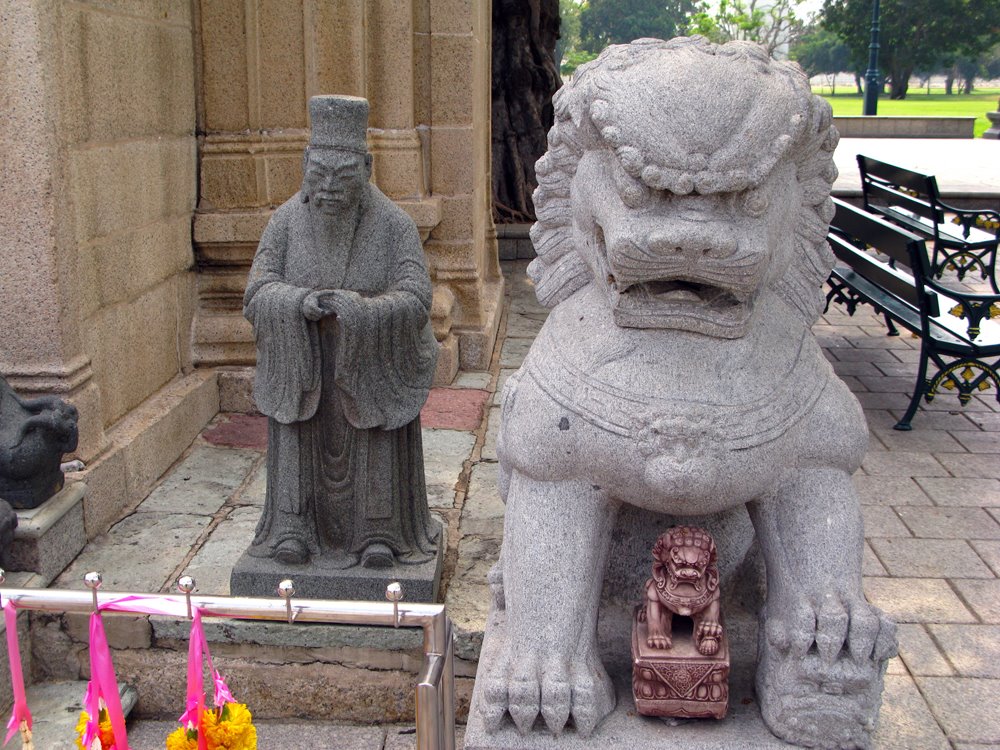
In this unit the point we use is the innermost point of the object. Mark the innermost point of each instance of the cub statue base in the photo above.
(679, 681)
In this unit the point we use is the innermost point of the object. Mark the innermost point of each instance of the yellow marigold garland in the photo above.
(107, 735)
(230, 728)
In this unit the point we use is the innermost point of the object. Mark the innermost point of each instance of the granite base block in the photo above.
(49, 537)
(256, 576)
(625, 728)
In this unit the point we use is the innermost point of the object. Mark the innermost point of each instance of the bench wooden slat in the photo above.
(891, 280)
(895, 199)
(922, 183)
(870, 230)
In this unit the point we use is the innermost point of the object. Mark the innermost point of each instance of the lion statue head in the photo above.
(686, 179)
(685, 556)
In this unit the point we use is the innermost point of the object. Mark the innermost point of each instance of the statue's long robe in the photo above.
(343, 395)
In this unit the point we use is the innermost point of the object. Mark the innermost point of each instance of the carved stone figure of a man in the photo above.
(339, 298)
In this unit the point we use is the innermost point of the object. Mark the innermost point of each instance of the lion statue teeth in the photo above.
(682, 211)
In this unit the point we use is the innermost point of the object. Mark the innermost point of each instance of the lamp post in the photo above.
(871, 75)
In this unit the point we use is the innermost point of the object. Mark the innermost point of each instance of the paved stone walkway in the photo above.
(931, 505)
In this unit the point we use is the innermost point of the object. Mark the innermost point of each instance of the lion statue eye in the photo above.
(755, 202)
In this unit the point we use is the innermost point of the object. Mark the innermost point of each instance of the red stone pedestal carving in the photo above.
(678, 681)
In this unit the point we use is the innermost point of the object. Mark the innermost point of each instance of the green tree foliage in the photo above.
(604, 22)
(772, 23)
(914, 34)
(569, 30)
(819, 51)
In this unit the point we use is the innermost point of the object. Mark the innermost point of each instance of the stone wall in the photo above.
(96, 261)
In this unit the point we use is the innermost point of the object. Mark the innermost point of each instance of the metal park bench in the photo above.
(965, 242)
(959, 332)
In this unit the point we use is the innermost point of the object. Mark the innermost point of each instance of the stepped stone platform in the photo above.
(932, 560)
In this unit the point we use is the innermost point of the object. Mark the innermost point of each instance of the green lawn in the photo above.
(919, 102)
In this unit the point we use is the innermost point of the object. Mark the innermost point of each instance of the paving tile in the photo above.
(923, 439)
(881, 520)
(468, 597)
(453, 409)
(930, 558)
(513, 352)
(489, 452)
(887, 384)
(501, 380)
(962, 491)
(916, 600)
(979, 441)
(139, 553)
(897, 370)
(238, 431)
(202, 482)
(213, 563)
(905, 720)
(919, 652)
(482, 514)
(982, 595)
(974, 650)
(903, 464)
(967, 707)
(864, 355)
(935, 421)
(853, 384)
(445, 453)
(880, 419)
(870, 565)
(883, 490)
(893, 401)
(990, 552)
(965, 465)
(255, 490)
(469, 379)
(950, 523)
(990, 422)
(525, 324)
(271, 733)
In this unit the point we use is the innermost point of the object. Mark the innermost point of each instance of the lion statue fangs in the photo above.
(631, 394)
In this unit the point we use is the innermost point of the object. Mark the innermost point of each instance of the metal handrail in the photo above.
(435, 690)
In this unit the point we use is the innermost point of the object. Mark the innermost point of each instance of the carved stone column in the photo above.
(41, 347)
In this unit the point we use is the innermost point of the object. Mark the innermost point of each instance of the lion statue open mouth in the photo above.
(682, 211)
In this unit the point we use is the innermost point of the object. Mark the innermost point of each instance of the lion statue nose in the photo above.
(692, 244)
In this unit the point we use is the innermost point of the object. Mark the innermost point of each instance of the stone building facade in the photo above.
(144, 145)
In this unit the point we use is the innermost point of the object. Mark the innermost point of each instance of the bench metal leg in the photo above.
(893, 331)
(919, 388)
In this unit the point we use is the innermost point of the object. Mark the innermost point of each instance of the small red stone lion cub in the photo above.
(685, 582)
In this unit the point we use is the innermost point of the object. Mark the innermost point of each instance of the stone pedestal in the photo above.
(256, 576)
(678, 682)
(49, 537)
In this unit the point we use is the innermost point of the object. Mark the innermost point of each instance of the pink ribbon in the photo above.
(103, 685)
(20, 711)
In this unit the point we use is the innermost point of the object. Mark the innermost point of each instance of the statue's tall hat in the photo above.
(339, 122)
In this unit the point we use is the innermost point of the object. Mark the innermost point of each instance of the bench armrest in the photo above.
(972, 308)
(985, 219)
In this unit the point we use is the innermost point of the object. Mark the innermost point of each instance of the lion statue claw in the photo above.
(681, 245)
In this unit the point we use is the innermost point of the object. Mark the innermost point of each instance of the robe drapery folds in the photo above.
(343, 394)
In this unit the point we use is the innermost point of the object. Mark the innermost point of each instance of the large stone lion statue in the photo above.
(682, 211)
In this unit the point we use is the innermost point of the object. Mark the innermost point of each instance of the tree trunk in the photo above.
(524, 78)
(949, 82)
(900, 84)
(857, 82)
